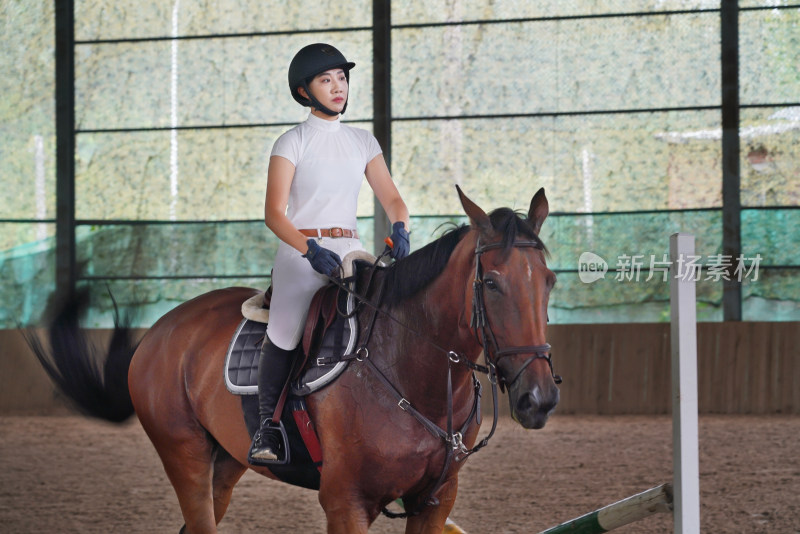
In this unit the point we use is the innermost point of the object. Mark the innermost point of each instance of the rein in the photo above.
(455, 448)
(453, 356)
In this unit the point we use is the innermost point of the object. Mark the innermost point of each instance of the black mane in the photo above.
(412, 274)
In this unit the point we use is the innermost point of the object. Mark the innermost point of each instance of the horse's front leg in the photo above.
(431, 519)
(347, 522)
(345, 511)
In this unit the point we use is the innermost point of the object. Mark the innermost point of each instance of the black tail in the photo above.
(97, 384)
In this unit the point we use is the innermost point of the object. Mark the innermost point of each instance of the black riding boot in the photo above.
(274, 366)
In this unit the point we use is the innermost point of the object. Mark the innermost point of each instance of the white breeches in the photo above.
(294, 283)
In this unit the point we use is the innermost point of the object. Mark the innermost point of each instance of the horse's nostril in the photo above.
(533, 401)
(525, 402)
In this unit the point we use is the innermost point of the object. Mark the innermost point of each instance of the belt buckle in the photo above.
(337, 232)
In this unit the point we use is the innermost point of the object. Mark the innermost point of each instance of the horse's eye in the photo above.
(490, 284)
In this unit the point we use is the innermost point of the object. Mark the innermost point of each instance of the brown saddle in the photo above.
(321, 314)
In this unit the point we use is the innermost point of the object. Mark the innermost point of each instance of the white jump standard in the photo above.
(685, 505)
(685, 438)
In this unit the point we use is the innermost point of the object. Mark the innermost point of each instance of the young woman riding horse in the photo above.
(315, 170)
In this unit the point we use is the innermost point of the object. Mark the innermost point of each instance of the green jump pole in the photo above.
(647, 503)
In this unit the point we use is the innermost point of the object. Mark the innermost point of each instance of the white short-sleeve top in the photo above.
(329, 159)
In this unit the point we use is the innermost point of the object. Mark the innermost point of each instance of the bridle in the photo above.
(454, 446)
(480, 323)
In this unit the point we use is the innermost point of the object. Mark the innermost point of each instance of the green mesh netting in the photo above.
(198, 257)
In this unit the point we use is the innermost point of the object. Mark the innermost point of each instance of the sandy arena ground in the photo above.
(70, 474)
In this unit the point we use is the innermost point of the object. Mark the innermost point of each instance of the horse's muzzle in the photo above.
(532, 407)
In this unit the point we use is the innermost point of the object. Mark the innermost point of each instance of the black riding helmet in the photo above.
(310, 61)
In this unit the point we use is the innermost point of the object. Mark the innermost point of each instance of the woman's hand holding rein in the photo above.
(400, 246)
(323, 260)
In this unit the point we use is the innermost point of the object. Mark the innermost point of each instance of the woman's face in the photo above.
(330, 88)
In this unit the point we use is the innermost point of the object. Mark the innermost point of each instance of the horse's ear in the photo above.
(539, 210)
(477, 217)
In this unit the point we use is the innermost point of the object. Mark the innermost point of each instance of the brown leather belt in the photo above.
(329, 232)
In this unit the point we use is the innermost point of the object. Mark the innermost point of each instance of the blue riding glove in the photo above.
(400, 244)
(323, 261)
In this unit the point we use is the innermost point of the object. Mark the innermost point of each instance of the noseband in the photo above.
(480, 323)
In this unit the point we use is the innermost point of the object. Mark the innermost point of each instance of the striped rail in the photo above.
(647, 503)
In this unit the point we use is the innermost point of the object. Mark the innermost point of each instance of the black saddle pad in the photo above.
(241, 362)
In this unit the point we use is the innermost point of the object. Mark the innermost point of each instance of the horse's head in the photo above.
(509, 296)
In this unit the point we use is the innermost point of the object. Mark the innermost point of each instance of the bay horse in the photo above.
(387, 425)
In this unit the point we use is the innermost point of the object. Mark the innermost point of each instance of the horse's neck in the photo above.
(416, 343)
(447, 308)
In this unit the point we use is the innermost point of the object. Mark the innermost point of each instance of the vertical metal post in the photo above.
(683, 344)
(731, 201)
(382, 102)
(65, 147)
